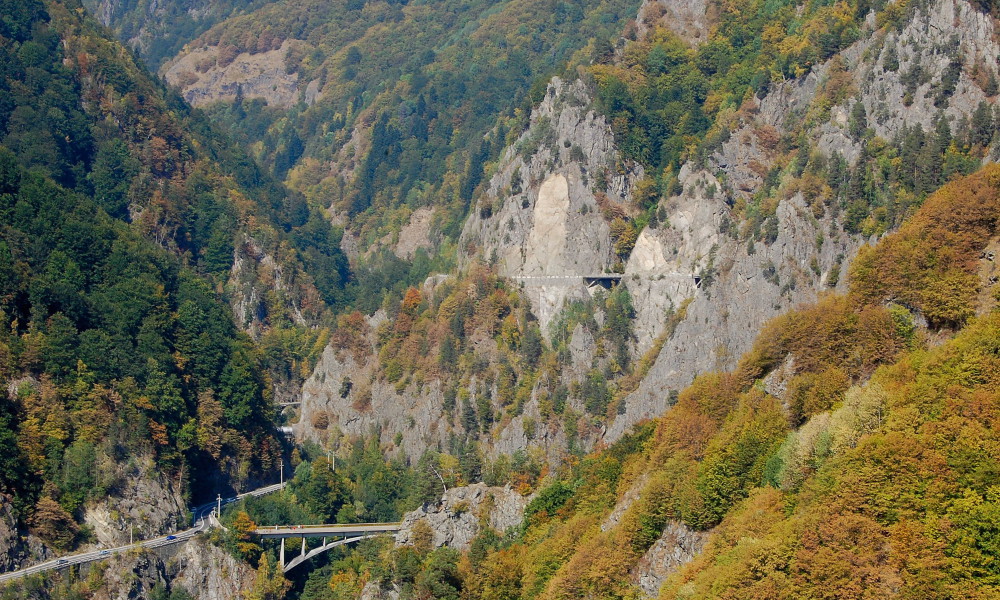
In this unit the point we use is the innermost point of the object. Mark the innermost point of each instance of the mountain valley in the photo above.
(596, 298)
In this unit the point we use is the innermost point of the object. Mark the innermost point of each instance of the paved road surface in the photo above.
(201, 517)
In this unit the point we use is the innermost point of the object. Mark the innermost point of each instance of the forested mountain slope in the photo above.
(390, 107)
(794, 355)
(785, 169)
(158, 30)
(851, 454)
(136, 246)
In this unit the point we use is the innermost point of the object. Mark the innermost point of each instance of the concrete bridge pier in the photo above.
(302, 553)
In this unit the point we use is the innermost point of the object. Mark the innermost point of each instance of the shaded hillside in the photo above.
(398, 98)
(131, 234)
(158, 30)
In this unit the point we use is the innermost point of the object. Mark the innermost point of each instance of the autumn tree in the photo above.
(269, 583)
(53, 524)
(243, 528)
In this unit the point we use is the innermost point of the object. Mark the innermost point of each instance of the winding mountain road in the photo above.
(202, 515)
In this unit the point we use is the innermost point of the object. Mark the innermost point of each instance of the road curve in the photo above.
(201, 516)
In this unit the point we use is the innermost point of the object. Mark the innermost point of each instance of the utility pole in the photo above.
(281, 467)
(218, 506)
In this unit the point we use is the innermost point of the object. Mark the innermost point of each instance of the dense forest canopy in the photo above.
(121, 210)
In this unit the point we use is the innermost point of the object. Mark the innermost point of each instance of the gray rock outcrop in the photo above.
(208, 572)
(16, 550)
(458, 517)
(736, 291)
(130, 575)
(143, 500)
(343, 395)
(539, 218)
(257, 273)
(373, 591)
(346, 396)
(203, 571)
(260, 75)
(688, 19)
(677, 546)
(10, 542)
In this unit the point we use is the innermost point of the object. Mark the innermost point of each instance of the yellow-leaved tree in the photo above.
(270, 583)
(243, 526)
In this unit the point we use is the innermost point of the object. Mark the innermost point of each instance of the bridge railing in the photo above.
(332, 530)
(330, 525)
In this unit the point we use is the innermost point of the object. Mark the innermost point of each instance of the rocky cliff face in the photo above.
(258, 277)
(344, 395)
(130, 575)
(689, 19)
(727, 289)
(945, 35)
(107, 10)
(462, 513)
(203, 571)
(207, 572)
(539, 218)
(206, 75)
(18, 548)
(700, 290)
(677, 546)
(142, 500)
(374, 591)
(747, 286)
(11, 550)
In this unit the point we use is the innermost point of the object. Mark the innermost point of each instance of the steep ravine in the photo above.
(540, 222)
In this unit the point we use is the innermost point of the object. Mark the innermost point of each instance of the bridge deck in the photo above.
(283, 531)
